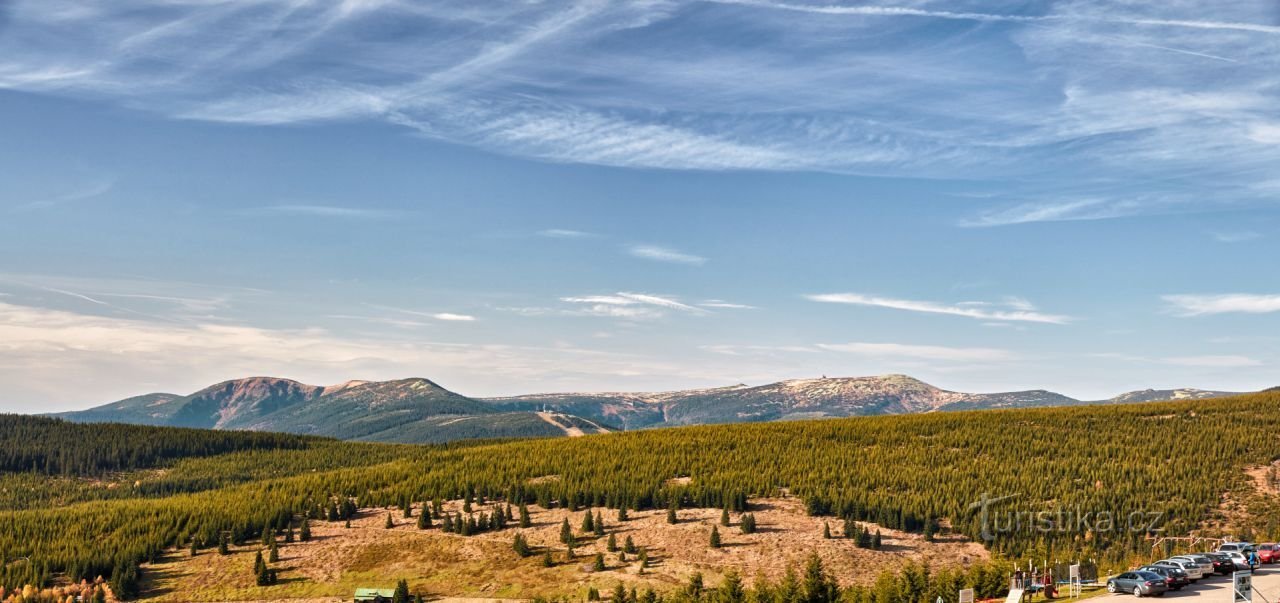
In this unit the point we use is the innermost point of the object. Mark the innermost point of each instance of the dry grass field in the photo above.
(339, 559)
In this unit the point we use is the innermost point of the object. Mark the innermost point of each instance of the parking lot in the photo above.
(1266, 582)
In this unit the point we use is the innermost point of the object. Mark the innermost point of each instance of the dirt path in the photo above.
(569, 430)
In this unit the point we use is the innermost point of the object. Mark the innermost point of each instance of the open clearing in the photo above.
(337, 559)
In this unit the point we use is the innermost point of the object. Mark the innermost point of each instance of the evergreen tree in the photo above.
(724, 517)
(259, 565)
(588, 523)
(848, 529)
(304, 533)
(547, 561)
(598, 526)
(520, 545)
(715, 537)
(222, 546)
(826, 531)
(818, 587)
(401, 594)
(612, 544)
(195, 549)
(389, 523)
(566, 533)
(598, 564)
(273, 553)
(288, 534)
(629, 545)
(524, 516)
(731, 590)
(747, 523)
(671, 511)
(622, 513)
(619, 594)
(875, 542)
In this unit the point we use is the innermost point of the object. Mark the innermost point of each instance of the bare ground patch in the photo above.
(339, 559)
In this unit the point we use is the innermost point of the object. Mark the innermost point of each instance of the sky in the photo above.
(520, 197)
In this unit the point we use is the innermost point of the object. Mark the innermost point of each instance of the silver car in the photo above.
(1241, 560)
(1192, 568)
(1204, 563)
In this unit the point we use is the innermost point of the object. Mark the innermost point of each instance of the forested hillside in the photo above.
(913, 472)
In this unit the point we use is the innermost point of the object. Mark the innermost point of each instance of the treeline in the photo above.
(907, 472)
(56, 447)
(913, 583)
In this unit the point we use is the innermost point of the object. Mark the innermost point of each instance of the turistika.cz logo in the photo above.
(995, 519)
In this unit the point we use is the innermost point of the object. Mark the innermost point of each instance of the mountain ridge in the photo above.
(418, 410)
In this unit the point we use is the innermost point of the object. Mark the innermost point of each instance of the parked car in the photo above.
(1140, 583)
(1204, 563)
(1222, 563)
(1267, 553)
(1241, 561)
(1174, 578)
(1235, 547)
(1190, 567)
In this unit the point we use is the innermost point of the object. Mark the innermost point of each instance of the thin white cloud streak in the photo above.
(1189, 305)
(451, 317)
(629, 305)
(724, 305)
(664, 254)
(920, 352)
(562, 233)
(928, 307)
(324, 211)
(90, 191)
(1236, 237)
(897, 11)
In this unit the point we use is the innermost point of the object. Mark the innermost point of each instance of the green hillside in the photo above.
(916, 472)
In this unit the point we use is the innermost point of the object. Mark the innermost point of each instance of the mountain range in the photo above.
(420, 411)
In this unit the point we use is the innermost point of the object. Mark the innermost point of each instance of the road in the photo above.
(1266, 585)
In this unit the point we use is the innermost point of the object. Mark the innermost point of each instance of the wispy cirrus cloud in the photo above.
(1126, 99)
(665, 254)
(1226, 303)
(629, 305)
(1021, 310)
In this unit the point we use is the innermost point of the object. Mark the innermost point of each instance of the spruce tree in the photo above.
(520, 545)
(259, 564)
(524, 515)
(273, 553)
(304, 533)
(389, 523)
(222, 546)
(598, 525)
(598, 564)
(622, 513)
(612, 544)
(424, 519)
(826, 531)
(547, 561)
(566, 533)
(588, 523)
(724, 517)
(715, 537)
(671, 512)
(875, 542)
(619, 594)
(629, 545)
(401, 594)
(195, 549)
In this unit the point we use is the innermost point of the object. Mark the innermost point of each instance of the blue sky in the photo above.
(537, 196)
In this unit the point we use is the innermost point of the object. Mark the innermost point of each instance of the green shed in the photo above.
(374, 595)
